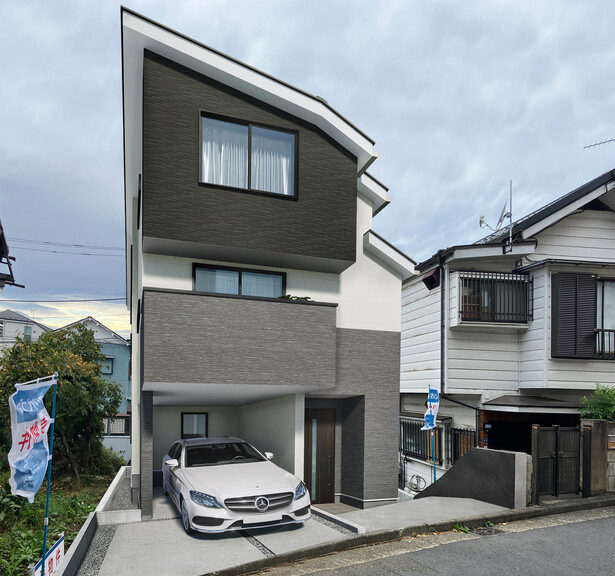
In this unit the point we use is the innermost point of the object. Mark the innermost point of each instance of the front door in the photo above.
(320, 454)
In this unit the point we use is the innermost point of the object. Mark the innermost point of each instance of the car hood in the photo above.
(246, 479)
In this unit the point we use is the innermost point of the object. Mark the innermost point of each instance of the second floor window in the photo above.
(605, 320)
(247, 157)
(238, 282)
(493, 297)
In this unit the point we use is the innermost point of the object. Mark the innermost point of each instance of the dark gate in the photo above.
(556, 458)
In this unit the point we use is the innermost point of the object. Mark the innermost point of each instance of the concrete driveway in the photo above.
(161, 547)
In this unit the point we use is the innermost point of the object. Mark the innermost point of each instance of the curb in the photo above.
(350, 526)
(381, 536)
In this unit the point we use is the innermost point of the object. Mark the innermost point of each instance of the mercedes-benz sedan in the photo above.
(221, 484)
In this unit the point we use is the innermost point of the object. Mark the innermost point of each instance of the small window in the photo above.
(1, 330)
(239, 282)
(194, 425)
(27, 333)
(247, 157)
(107, 365)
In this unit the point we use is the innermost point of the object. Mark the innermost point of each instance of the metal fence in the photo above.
(459, 441)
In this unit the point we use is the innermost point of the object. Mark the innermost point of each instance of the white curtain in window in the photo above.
(266, 285)
(273, 161)
(217, 281)
(606, 295)
(225, 153)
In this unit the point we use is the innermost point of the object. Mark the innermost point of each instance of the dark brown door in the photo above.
(320, 454)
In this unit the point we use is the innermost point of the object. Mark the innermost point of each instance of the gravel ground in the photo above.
(104, 534)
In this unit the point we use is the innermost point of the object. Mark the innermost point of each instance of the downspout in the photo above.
(443, 279)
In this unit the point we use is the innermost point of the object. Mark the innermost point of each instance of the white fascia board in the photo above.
(144, 34)
(375, 192)
(386, 253)
(482, 251)
(571, 208)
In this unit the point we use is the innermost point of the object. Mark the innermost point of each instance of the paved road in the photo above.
(577, 543)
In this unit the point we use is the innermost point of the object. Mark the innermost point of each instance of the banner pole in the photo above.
(53, 419)
(433, 453)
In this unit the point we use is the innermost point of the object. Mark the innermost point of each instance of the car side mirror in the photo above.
(171, 463)
(269, 455)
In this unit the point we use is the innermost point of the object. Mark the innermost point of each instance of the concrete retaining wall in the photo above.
(495, 476)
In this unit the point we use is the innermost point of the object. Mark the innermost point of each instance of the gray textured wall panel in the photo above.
(321, 222)
(191, 337)
(368, 364)
(147, 452)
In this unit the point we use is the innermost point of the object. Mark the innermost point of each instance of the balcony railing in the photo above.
(605, 344)
(495, 297)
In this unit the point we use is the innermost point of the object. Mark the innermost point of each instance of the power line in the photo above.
(67, 301)
(66, 252)
(27, 241)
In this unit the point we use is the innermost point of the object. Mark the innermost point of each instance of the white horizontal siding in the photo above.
(482, 360)
(588, 235)
(533, 343)
(420, 337)
(580, 374)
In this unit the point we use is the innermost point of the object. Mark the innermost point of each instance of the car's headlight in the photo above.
(204, 499)
(300, 490)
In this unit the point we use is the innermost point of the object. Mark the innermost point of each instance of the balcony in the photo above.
(605, 344)
(225, 346)
(491, 298)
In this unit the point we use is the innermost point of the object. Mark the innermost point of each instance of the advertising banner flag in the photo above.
(433, 404)
(30, 422)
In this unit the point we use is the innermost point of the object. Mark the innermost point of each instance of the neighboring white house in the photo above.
(513, 335)
(13, 324)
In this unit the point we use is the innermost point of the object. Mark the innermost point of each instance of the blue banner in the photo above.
(30, 423)
(433, 404)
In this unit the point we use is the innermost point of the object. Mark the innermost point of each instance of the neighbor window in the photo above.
(194, 424)
(494, 297)
(238, 282)
(107, 365)
(247, 156)
(27, 333)
(605, 320)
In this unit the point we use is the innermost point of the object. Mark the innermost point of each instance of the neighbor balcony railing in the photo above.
(495, 297)
(605, 344)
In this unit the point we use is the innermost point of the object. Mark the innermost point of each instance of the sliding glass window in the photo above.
(238, 282)
(247, 157)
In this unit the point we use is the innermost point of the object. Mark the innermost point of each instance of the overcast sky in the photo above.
(460, 97)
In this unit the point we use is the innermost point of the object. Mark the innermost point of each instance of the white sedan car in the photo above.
(221, 484)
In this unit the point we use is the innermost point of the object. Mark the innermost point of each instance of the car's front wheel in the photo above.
(186, 518)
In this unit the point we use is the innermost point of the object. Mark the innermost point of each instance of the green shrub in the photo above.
(601, 405)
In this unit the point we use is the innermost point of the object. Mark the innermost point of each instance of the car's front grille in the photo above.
(249, 503)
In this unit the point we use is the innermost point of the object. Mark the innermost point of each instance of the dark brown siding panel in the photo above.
(190, 337)
(321, 222)
(573, 315)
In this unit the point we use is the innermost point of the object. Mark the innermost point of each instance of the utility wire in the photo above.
(27, 241)
(66, 252)
(68, 301)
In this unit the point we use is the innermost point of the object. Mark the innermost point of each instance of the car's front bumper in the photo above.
(208, 520)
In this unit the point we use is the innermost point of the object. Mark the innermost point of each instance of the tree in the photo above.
(601, 405)
(84, 397)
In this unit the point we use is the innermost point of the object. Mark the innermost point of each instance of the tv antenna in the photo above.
(503, 215)
(599, 143)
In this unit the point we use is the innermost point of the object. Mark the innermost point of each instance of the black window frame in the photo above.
(195, 267)
(250, 125)
(184, 436)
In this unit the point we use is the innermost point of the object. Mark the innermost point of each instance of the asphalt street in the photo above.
(561, 545)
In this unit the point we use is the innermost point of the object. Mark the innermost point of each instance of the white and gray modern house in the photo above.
(513, 333)
(263, 305)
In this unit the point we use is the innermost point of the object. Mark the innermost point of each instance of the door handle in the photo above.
(329, 469)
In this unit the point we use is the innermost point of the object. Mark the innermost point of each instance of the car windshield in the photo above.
(223, 453)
